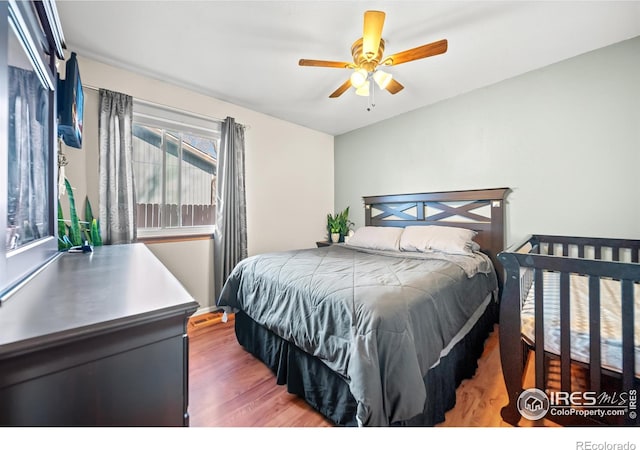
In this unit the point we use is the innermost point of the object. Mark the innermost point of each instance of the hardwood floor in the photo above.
(230, 388)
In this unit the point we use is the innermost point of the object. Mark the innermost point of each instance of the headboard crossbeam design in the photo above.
(481, 210)
(415, 211)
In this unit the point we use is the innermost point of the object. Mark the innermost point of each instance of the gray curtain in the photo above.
(117, 193)
(230, 240)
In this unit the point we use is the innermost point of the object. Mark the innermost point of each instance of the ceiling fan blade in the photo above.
(435, 48)
(371, 33)
(319, 63)
(338, 92)
(394, 87)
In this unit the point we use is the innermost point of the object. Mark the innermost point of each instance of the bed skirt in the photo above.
(328, 392)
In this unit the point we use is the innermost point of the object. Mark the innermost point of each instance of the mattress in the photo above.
(380, 321)
(328, 393)
(610, 317)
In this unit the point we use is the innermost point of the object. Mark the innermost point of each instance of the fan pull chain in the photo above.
(371, 100)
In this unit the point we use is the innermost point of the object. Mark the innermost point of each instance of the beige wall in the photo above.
(289, 173)
(565, 139)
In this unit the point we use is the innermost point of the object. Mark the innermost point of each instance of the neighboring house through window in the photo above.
(174, 165)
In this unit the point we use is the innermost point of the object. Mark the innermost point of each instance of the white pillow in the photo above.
(377, 238)
(438, 238)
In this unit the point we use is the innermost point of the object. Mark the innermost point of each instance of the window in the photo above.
(30, 44)
(174, 166)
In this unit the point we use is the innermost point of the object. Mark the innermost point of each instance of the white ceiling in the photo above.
(247, 52)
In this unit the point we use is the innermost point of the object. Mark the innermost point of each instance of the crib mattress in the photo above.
(610, 317)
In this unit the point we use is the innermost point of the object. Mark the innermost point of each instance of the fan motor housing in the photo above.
(361, 59)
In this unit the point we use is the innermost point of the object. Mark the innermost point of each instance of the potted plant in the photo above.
(339, 225)
(345, 226)
(333, 225)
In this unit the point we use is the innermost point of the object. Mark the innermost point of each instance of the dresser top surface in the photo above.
(78, 292)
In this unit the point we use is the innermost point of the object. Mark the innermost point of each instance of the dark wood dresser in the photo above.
(96, 339)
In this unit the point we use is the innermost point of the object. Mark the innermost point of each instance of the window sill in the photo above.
(175, 235)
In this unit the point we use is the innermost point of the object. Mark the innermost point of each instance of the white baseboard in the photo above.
(206, 310)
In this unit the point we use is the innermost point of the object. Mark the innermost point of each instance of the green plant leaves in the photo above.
(77, 232)
(96, 239)
(333, 223)
(63, 240)
(339, 223)
(75, 235)
(88, 212)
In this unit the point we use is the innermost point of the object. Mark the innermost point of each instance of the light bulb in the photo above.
(382, 79)
(364, 89)
(358, 78)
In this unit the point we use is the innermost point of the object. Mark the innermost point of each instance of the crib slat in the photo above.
(539, 328)
(615, 253)
(628, 366)
(565, 333)
(551, 248)
(595, 356)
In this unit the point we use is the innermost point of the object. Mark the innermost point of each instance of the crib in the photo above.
(569, 331)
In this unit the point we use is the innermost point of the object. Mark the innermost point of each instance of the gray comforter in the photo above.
(379, 320)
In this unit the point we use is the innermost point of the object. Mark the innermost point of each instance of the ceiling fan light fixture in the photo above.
(368, 57)
(359, 78)
(382, 78)
(364, 89)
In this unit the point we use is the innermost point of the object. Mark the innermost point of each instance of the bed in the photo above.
(381, 330)
(569, 324)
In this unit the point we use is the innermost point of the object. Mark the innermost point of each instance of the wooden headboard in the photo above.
(481, 210)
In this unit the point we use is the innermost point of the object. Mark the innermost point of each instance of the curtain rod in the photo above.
(159, 105)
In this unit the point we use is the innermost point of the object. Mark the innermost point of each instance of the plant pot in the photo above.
(335, 237)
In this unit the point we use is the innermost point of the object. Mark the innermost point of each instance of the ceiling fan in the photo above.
(368, 54)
